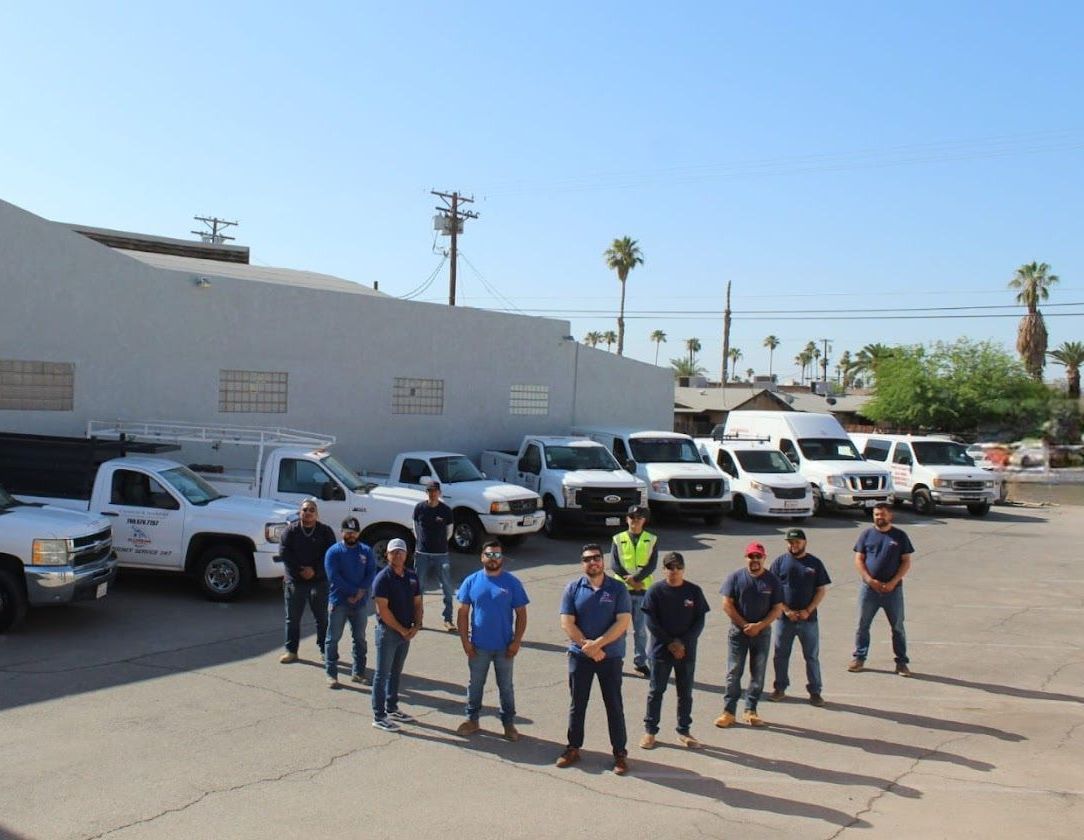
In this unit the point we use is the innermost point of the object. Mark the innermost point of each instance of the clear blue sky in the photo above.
(828, 156)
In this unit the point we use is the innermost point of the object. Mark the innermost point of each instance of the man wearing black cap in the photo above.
(805, 583)
(633, 557)
(350, 566)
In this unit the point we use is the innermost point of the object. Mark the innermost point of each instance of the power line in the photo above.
(426, 283)
(700, 313)
(494, 292)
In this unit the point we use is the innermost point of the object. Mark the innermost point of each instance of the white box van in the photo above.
(817, 445)
(678, 481)
(762, 481)
(931, 471)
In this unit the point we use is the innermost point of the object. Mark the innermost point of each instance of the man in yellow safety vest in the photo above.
(633, 558)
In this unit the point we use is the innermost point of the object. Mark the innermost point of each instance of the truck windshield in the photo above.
(342, 472)
(6, 499)
(829, 449)
(580, 458)
(456, 468)
(664, 451)
(764, 461)
(191, 486)
(942, 453)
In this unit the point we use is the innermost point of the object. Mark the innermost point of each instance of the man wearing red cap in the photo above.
(753, 599)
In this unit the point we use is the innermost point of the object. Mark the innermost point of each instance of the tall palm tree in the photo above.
(734, 354)
(802, 360)
(592, 339)
(1033, 282)
(685, 367)
(749, 374)
(608, 338)
(1070, 354)
(693, 346)
(845, 365)
(658, 336)
(771, 342)
(623, 256)
(867, 359)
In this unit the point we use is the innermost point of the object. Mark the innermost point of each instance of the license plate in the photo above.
(613, 520)
(527, 521)
(870, 503)
(102, 587)
(791, 504)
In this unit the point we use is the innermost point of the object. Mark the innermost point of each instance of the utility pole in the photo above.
(216, 224)
(449, 221)
(824, 359)
(726, 333)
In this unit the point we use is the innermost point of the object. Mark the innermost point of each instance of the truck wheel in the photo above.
(552, 529)
(225, 572)
(979, 508)
(467, 532)
(741, 509)
(818, 502)
(12, 601)
(923, 502)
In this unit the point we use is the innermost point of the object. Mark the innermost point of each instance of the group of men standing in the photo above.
(340, 582)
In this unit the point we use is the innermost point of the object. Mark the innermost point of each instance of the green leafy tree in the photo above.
(608, 338)
(1033, 282)
(956, 388)
(845, 366)
(659, 337)
(771, 342)
(802, 360)
(593, 339)
(868, 358)
(686, 367)
(1070, 354)
(749, 372)
(623, 256)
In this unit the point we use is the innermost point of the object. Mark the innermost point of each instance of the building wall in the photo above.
(148, 344)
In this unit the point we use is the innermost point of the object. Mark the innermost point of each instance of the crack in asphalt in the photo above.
(1002, 786)
(1055, 672)
(1068, 735)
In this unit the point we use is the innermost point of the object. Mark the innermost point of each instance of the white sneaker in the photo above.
(386, 725)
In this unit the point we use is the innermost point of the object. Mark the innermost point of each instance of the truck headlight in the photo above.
(835, 481)
(570, 496)
(643, 496)
(943, 483)
(500, 507)
(760, 488)
(50, 553)
(272, 531)
(661, 487)
(989, 484)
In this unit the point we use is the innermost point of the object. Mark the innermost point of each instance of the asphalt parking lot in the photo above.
(156, 714)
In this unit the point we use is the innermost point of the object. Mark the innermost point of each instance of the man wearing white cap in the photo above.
(398, 598)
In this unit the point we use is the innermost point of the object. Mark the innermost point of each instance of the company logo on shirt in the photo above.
(690, 603)
(606, 598)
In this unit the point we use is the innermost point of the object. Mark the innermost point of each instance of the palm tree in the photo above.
(845, 366)
(608, 338)
(685, 367)
(868, 358)
(693, 346)
(749, 374)
(771, 342)
(1070, 354)
(734, 354)
(592, 339)
(1034, 284)
(658, 336)
(622, 256)
(803, 359)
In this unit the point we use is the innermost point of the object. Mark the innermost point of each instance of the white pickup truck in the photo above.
(50, 556)
(578, 479)
(290, 466)
(164, 516)
(480, 505)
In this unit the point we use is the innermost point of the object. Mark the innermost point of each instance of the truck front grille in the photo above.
(969, 486)
(789, 492)
(523, 506)
(92, 548)
(696, 488)
(867, 482)
(607, 500)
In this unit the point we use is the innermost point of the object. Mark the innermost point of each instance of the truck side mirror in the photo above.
(706, 459)
(630, 466)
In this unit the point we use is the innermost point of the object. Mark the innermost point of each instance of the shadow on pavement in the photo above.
(926, 722)
(994, 688)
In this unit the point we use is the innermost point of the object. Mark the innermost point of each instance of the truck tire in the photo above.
(978, 508)
(551, 527)
(225, 572)
(923, 501)
(12, 601)
(467, 532)
(741, 509)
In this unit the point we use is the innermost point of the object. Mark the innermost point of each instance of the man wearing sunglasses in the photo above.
(491, 621)
(752, 600)
(595, 615)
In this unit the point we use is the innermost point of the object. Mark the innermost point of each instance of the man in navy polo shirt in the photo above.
(805, 583)
(882, 556)
(491, 600)
(399, 610)
(595, 615)
(752, 599)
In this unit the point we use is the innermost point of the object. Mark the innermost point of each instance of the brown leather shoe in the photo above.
(621, 765)
(287, 658)
(647, 742)
(857, 665)
(468, 727)
(569, 757)
(510, 732)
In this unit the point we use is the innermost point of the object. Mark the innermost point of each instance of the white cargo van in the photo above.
(839, 477)
(670, 464)
(930, 471)
(762, 481)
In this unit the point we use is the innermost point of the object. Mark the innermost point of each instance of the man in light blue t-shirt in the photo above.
(491, 621)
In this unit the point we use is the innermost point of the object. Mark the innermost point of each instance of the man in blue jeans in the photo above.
(432, 528)
(304, 581)
(492, 619)
(805, 583)
(752, 599)
(398, 599)
(595, 615)
(350, 567)
(882, 556)
(633, 556)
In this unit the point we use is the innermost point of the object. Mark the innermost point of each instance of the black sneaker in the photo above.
(816, 700)
(642, 670)
(777, 695)
(903, 670)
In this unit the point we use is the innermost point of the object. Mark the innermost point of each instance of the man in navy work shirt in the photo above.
(752, 599)
(432, 528)
(675, 609)
(492, 619)
(882, 556)
(304, 581)
(350, 567)
(805, 583)
(398, 599)
(595, 615)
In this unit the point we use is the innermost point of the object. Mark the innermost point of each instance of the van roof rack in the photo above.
(743, 438)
